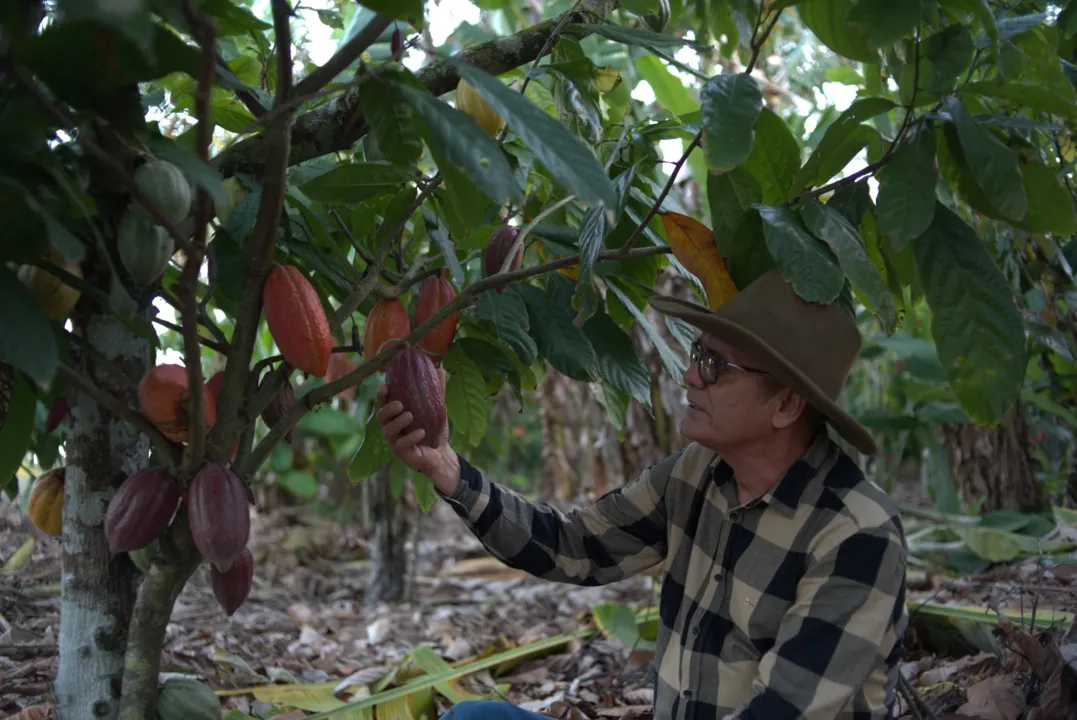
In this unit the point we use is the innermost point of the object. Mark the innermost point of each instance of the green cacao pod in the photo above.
(144, 248)
(165, 185)
(187, 699)
(144, 557)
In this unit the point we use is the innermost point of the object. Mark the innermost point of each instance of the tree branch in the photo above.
(325, 392)
(343, 57)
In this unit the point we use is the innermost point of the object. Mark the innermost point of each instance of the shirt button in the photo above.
(688, 694)
(734, 516)
(695, 630)
(718, 577)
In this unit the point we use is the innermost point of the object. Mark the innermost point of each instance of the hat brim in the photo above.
(771, 360)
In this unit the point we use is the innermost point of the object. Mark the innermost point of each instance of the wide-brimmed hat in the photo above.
(808, 346)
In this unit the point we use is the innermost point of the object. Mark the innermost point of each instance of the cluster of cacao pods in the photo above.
(45, 506)
(145, 246)
(389, 320)
(297, 320)
(55, 297)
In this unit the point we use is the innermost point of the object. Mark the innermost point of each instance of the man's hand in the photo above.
(440, 464)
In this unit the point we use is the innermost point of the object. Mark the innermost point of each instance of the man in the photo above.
(784, 587)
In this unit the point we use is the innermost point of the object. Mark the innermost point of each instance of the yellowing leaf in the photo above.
(572, 271)
(693, 244)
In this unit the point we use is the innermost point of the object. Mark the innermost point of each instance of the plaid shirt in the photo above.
(788, 606)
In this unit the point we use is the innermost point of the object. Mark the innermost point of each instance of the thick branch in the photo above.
(338, 124)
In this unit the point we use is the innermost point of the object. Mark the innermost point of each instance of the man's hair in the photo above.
(770, 385)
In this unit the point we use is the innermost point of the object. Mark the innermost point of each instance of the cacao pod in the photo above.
(46, 502)
(143, 557)
(396, 44)
(413, 380)
(470, 102)
(214, 385)
(387, 321)
(141, 509)
(436, 292)
(501, 242)
(297, 320)
(165, 185)
(57, 412)
(231, 587)
(218, 516)
(187, 699)
(144, 248)
(339, 366)
(55, 297)
(162, 396)
(281, 403)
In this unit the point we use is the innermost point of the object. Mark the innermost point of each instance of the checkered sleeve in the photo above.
(849, 607)
(619, 535)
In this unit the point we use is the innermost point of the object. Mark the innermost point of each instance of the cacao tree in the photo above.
(500, 210)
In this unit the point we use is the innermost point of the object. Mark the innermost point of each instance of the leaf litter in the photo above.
(1000, 644)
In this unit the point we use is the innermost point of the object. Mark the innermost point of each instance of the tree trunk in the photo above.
(994, 467)
(97, 591)
(393, 526)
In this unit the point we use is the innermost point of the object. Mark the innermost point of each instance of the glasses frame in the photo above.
(710, 366)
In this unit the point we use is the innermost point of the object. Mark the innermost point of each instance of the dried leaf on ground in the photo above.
(995, 698)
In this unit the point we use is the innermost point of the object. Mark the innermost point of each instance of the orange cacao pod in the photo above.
(387, 321)
(46, 503)
(501, 242)
(141, 509)
(436, 292)
(297, 320)
(281, 403)
(218, 515)
(162, 395)
(413, 380)
(232, 586)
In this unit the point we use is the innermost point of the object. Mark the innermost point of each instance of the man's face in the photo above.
(731, 411)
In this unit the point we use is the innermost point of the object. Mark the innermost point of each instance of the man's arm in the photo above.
(849, 604)
(619, 535)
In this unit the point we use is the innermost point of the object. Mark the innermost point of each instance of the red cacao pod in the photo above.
(498, 249)
(297, 320)
(214, 384)
(340, 366)
(141, 509)
(387, 321)
(413, 380)
(163, 395)
(396, 44)
(232, 586)
(218, 515)
(57, 413)
(436, 292)
(281, 403)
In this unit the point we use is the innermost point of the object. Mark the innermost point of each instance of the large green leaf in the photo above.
(373, 454)
(801, 257)
(410, 11)
(465, 396)
(569, 161)
(948, 55)
(886, 21)
(774, 159)
(464, 145)
(618, 363)
(508, 314)
(26, 336)
(907, 183)
(994, 165)
(1050, 205)
(17, 423)
(668, 88)
(730, 104)
(351, 183)
(843, 139)
(831, 226)
(977, 328)
(392, 121)
(563, 344)
(670, 361)
(981, 9)
(828, 19)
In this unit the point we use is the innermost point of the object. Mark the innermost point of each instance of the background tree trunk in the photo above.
(393, 526)
(994, 465)
(97, 590)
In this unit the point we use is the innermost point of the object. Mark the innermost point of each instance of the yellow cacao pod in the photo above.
(46, 506)
(56, 297)
(470, 102)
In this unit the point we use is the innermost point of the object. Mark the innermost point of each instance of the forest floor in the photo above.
(305, 632)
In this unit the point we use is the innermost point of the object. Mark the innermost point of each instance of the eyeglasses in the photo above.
(711, 366)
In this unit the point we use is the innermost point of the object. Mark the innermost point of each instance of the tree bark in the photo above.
(994, 466)
(97, 590)
(393, 526)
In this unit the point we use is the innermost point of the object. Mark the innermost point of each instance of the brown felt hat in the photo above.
(809, 346)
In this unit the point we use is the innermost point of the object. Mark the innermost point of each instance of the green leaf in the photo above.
(441, 238)
(618, 363)
(842, 141)
(978, 332)
(994, 165)
(425, 494)
(392, 121)
(635, 36)
(1050, 205)
(1035, 97)
(670, 361)
(373, 454)
(886, 21)
(26, 336)
(801, 257)
(828, 19)
(569, 161)
(1012, 27)
(465, 396)
(730, 104)
(299, 483)
(774, 159)
(563, 344)
(668, 88)
(949, 53)
(981, 10)
(329, 422)
(614, 404)
(410, 11)
(831, 226)
(351, 183)
(18, 422)
(464, 145)
(907, 184)
(508, 314)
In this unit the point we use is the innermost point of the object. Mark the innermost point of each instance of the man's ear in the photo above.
(790, 406)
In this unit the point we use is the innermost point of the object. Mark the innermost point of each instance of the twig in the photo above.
(387, 241)
(919, 708)
(665, 191)
(363, 252)
(208, 342)
(356, 297)
(203, 319)
(343, 57)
